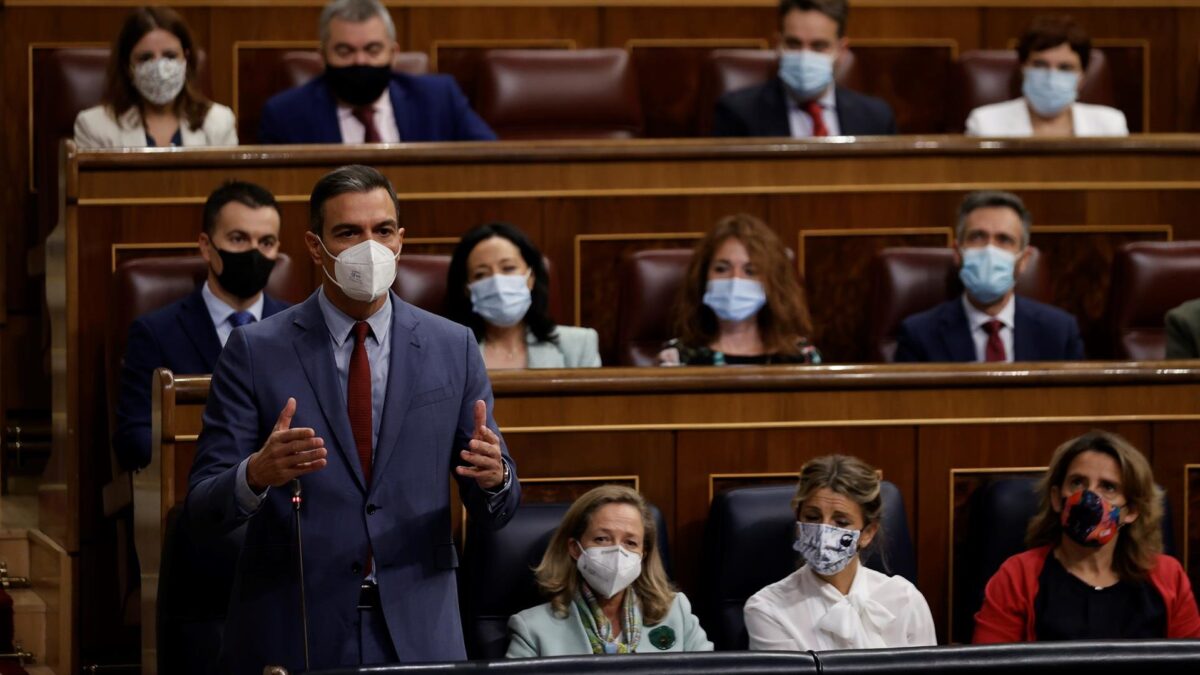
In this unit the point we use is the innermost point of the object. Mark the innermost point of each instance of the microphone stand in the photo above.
(296, 501)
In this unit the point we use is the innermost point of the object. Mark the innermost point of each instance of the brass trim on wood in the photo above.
(498, 43)
(1103, 229)
(715, 43)
(634, 236)
(636, 478)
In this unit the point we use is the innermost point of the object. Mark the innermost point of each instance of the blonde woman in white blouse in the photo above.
(833, 601)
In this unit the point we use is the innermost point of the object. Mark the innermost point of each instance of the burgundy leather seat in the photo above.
(986, 76)
(911, 280)
(553, 93)
(1148, 280)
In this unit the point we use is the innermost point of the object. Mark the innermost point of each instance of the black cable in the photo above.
(296, 500)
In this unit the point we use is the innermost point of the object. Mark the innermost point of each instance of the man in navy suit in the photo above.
(802, 100)
(240, 242)
(369, 403)
(359, 99)
(990, 322)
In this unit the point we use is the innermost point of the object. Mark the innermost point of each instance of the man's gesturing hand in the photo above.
(487, 467)
(288, 453)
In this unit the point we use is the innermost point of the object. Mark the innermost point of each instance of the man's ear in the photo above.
(958, 259)
(1022, 261)
(843, 46)
(206, 247)
(313, 243)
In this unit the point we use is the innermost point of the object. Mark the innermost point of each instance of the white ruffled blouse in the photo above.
(802, 612)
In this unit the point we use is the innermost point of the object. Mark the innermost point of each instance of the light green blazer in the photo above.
(537, 631)
(576, 348)
(1183, 331)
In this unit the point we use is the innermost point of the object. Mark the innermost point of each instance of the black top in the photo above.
(1067, 608)
(705, 356)
(176, 140)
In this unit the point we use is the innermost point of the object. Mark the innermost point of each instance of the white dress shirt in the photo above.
(803, 612)
(1012, 119)
(353, 131)
(801, 122)
(976, 320)
(220, 312)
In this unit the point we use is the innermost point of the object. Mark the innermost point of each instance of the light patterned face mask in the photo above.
(825, 548)
(160, 80)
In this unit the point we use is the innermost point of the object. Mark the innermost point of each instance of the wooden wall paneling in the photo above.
(1175, 457)
(463, 59)
(1188, 69)
(888, 68)
(1191, 521)
(942, 448)
(620, 25)
(835, 265)
(962, 25)
(257, 76)
(1129, 62)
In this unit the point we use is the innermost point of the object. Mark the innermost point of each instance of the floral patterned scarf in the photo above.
(599, 629)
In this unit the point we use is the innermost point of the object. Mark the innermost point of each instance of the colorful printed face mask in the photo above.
(825, 548)
(1089, 519)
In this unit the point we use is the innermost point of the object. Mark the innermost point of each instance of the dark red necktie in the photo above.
(818, 119)
(358, 397)
(366, 115)
(995, 346)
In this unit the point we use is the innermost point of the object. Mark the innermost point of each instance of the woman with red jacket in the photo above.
(1095, 569)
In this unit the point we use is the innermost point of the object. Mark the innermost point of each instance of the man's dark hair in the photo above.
(1048, 32)
(838, 10)
(342, 180)
(247, 194)
(993, 198)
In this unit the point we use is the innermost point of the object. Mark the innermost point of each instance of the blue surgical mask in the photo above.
(806, 73)
(1049, 91)
(501, 299)
(988, 272)
(734, 299)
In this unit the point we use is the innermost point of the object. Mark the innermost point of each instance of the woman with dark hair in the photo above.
(741, 302)
(1054, 54)
(151, 97)
(498, 286)
(1096, 568)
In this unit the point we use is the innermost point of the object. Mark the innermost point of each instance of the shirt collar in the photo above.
(339, 323)
(382, 106)
(828, 100)
(220, 312)
(976, 318)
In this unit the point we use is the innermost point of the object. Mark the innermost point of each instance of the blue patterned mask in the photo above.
(806, 73)
(1049, 91)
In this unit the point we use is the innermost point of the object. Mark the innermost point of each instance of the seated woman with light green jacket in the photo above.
(608, 591)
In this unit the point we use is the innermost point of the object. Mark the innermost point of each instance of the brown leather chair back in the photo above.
(650, 288)
(986, 76)
(421, 281)
(262, 73)
(553, 93)
(733, 69)
(1148, 280)
(911, 280)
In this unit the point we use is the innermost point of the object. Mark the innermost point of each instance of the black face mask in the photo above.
(358, 85)
(244, 274)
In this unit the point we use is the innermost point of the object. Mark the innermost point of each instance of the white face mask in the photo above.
(160, 80)
(365, 271)
(825, 548)
(501, 299)
(609, 570)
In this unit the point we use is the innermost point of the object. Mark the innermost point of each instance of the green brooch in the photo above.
(662, 637)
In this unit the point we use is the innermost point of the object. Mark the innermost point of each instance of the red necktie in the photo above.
(995, 346)
(366, 115)
(358, 397)
(814, 110)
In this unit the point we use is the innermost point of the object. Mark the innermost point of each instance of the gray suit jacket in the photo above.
(1183, 331)
(576, 348)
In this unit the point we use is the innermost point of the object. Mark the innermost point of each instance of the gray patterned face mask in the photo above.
(825, 548)
(160, 80)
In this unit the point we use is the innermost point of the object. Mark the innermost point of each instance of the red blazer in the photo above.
(1007, 612)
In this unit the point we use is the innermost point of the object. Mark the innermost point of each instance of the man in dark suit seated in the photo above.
(359, 99)
(990, 322)
(240, 242)
(803, 100)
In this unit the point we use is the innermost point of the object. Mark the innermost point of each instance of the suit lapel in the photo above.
(956, 333)
(325, 112)
(1025, 346)
(316, 357)
(775, 110)
(403, 371)
(198, 326)
(849, 119)
(400, 112)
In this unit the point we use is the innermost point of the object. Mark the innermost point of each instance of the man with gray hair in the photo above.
(990, 322)
(360, 99)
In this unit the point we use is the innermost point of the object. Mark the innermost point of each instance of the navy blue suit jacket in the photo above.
(180, 336)
(1040, 333)
(435, 376)
(427, 108)
(761, 110)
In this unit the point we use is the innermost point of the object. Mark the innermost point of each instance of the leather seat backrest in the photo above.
(1148, 280)
(748, 545)
(497, 579)
(984, 76)
(559, 93)
(911, 280)
(650, 287)
(421, 281)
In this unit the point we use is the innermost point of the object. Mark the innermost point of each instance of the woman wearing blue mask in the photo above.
(833, 601)
(498, 286)
(1095, 569)
(741, 302)
(1054, 55)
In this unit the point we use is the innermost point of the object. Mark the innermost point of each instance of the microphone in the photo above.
(297, 499)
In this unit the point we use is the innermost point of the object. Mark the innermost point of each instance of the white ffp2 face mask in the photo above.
(609, 570)
(501, 299)
(365, 271)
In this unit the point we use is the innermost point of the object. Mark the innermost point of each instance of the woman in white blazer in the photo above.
(497, 285)
(151, 97)
(608, 591)
(1054, 55)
